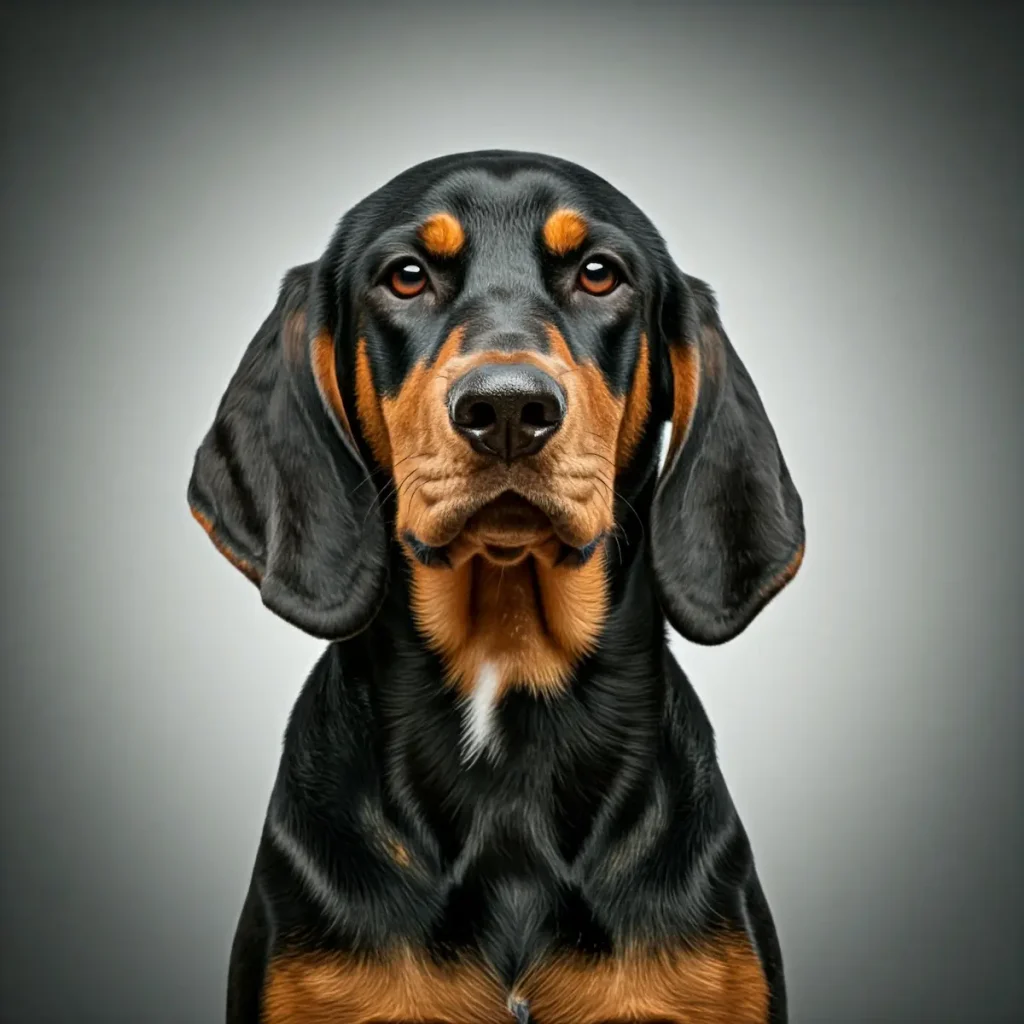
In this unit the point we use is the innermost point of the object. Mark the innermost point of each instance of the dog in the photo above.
(498, 798)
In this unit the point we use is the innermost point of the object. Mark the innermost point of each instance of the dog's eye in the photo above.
(597, 276)
(408, 280)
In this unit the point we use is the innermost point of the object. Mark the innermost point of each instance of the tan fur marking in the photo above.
(404, 987)
(442, 234)
(402, 427)
(477, 612)
(240, 564)
(559, 346)
(686, 363)
(321, 357)
(400, 854)
(603, 410)
(638, 406)
(720, 984)
(788, 573)
(368, 408)
(564, 231)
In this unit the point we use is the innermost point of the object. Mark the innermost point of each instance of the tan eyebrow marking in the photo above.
(564, 231)
(442, 234)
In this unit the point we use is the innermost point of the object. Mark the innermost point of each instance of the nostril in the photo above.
(480, 415)
(535, 415)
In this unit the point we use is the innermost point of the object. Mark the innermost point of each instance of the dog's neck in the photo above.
(611, 596)
(567, 747)
(608, 707)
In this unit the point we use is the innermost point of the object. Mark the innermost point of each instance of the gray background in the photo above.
(848, 178)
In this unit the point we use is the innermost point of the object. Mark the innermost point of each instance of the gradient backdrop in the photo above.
(847, 177)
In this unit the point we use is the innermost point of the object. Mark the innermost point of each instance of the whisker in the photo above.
(384, 469)
(615, 494)
(416, 475)
(643, 530)
(423, 483)
(415, 455)
(412, 475)
(382, 495)
(598, 455)
(393, 487)
(618, 546)
(608, 487)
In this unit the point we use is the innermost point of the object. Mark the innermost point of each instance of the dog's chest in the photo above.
(519, 935)
(539, 870)
(539, 907)
(538, 833)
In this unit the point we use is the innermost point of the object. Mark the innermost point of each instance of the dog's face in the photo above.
(479, 366)
(502, 372)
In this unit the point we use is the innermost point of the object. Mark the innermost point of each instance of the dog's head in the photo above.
(478, 369)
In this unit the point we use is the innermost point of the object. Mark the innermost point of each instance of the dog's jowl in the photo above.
(498, 799)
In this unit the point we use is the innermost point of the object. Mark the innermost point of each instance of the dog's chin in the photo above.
(505, 531)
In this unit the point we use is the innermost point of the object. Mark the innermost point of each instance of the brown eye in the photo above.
(597, 276)
(408, 280)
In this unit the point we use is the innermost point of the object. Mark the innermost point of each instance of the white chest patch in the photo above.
(478, 713)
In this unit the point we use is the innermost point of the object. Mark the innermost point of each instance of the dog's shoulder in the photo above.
(329, 759)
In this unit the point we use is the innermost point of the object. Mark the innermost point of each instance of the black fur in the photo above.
(727, 521)
(285, 490)
(606, 817)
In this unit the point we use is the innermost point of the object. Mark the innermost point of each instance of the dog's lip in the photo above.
(508, 521)
(504, 555)
(465, 516)
(505, 530)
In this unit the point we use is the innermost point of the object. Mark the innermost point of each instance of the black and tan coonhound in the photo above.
(499, 798)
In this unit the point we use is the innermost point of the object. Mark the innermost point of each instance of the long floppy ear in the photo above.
(727, 523)
(279, 484)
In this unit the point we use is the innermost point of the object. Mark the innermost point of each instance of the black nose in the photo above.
(506, 409)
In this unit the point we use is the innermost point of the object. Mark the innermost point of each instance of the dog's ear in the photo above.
(279, 484)
(727, 530)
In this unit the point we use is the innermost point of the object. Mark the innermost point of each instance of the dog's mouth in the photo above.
(503, 554)
(507, 527)
(504, 531)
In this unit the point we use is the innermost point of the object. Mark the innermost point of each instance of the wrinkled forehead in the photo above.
(484, 198)
(514, 205)
(500, 223)
(501, 219)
